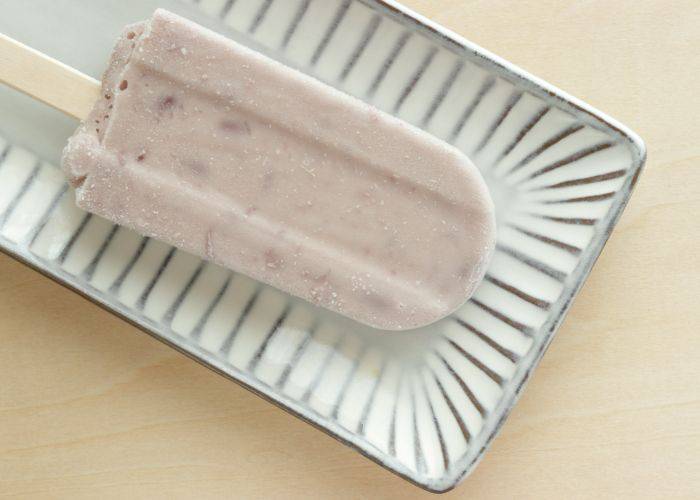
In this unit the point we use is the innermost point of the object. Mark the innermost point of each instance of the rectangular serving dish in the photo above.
(424, 404)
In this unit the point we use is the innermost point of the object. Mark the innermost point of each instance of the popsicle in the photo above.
(214, 148)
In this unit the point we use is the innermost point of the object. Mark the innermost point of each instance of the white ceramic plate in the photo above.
(426, 403)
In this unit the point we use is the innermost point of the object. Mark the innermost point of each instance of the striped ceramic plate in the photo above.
(424, 404)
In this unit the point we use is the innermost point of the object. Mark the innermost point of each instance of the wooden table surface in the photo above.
(91, 407)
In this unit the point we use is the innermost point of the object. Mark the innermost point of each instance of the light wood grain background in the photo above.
(90, 407)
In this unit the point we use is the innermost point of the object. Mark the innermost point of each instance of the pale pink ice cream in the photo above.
(225, 153)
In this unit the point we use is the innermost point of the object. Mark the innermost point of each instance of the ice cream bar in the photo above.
(214, 148)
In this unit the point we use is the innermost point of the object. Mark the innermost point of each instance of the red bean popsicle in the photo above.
(216, 149)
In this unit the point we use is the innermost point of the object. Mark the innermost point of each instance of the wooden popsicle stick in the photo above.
(47, 79)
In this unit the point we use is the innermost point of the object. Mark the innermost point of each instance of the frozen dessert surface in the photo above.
(223, 152)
